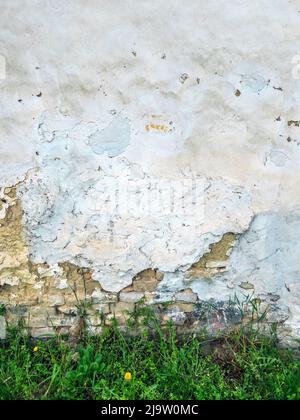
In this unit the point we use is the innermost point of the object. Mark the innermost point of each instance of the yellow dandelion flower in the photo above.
(127, 376)
(36, 348)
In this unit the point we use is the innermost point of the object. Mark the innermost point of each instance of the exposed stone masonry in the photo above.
(58, 299)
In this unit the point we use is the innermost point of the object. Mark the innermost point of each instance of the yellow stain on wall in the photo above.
(159, 123)
(157, 127)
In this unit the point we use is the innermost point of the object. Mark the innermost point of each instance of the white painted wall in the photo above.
(106, 107)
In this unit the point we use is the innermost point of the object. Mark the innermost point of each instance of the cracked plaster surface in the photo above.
(136, 142)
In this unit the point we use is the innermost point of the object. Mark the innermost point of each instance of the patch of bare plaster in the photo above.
(14, 265)
(276, 158)
(214, 261)
(112, 140)
(254, 82)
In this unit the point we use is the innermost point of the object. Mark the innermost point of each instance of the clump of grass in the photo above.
(2, 310)
(156, 364)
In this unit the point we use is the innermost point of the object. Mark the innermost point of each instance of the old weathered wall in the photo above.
(150, 150)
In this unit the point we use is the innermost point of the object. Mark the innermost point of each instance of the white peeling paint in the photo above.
(138, 135)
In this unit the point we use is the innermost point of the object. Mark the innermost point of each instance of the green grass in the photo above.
(163, 366)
